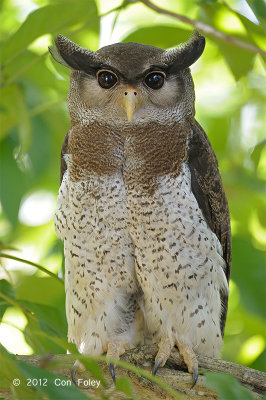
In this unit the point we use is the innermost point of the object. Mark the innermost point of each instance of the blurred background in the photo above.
(230, 90)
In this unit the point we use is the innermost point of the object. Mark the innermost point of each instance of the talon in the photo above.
(112, 370)
(114, 350)
(73, 376)
(195, 376)
(157, 364)
(165, 347)
(76, 367)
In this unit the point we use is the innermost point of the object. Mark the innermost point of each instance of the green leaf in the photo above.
(16, 113)
(7, 290)
(227, 387)
(254, 31)
(42, 341)
(239, 60)
(50, 318)
(19, 65)
(53, 344)
(207, 1)
(40, 152)
(260, 362)
(11, 371)
(163, 36)
(35, 288)
(257, 151)
(248, 271)
(11, 175)
(53, 18)
(218, 131)
(259, 9)
(124, 385)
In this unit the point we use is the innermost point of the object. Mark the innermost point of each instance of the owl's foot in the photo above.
(185, 350)
(114, 351)
(165, 347)
(190, 359)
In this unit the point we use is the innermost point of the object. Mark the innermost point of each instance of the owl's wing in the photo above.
(64, 151)
(206, 184)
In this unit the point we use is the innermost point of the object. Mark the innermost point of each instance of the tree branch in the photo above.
(207, 29)
(172, 374)
(256, 379)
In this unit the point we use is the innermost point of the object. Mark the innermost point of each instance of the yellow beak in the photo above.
(130, 102)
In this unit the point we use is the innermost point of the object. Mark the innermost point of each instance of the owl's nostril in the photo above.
(135, 93)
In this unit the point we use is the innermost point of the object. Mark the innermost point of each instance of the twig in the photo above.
(46, 271)
(207, 29)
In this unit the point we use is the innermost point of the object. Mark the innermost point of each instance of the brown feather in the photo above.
(207, 187)
(142, 152)
(64, 150)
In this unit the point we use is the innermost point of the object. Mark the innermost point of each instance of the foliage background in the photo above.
(230, 104)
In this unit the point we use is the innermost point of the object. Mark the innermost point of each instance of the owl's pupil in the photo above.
(154, 80)
(106, 79)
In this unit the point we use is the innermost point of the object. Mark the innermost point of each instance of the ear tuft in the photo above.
(56, 56)
(71, 55)
(185, 55)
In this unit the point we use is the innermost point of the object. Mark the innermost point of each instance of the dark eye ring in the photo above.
(106, 79)
(155, 79)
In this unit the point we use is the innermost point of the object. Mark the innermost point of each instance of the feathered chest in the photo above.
(140, 152)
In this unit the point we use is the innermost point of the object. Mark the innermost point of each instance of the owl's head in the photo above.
(130, 82)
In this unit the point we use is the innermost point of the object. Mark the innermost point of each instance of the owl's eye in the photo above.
(155, 80)
(106, 79)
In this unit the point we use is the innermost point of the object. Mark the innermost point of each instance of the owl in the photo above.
(141, 206)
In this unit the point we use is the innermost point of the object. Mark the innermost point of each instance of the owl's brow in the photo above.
(92, 70)
(152, 68)
(110, 68)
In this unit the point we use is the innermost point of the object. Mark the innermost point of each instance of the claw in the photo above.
(76, 367)
(157, 364)
(189, 356)
(112, 370)
(165, 347)
(195, 376)
(73, 376)
(114, 350)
